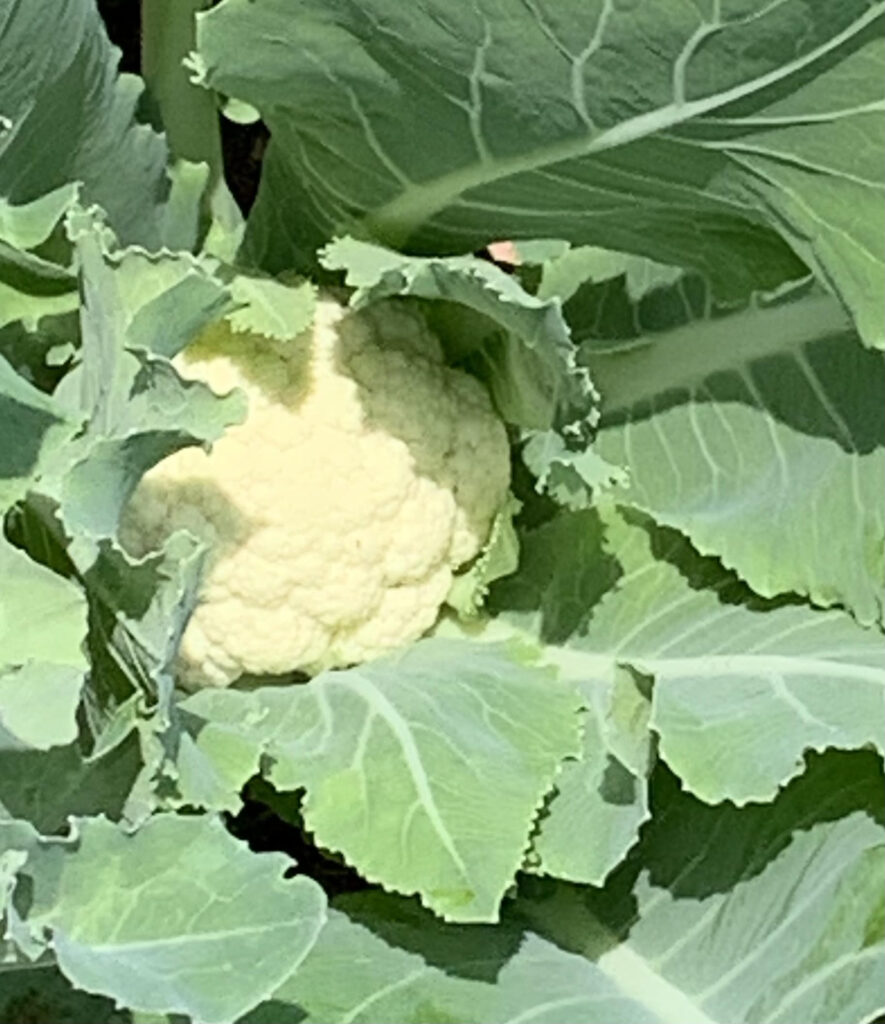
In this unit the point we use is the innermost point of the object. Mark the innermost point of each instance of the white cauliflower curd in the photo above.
(366, 473)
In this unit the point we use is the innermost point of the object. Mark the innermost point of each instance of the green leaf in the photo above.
(140, 608)
(693, 929)
(36, 279)
(272, 308)
(69, 118)
(610, 298)
(727, 916)
(161, 413)
(568, 271)
(179, 901)
(601, 800)
(424, 769)
(729, 145)
(499, 558)
(741, 688)
(166, 299)
(138, 409)
(42, 657)
(521, 347)
(33, 426)
(761, 436)
(377, 960)
(573, 478)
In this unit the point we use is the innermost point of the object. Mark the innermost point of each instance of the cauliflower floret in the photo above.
(365, 474)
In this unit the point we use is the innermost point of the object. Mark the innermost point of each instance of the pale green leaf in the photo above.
(592, 816)
(768, 915)
(42, 656)
(424, 769)
(761, 436)
(17, 841)
(166, 298)
(31, 285)
(601, 799)
(180, 902)
(138, 409)
(272, 308)
(239, 112)
(378, 961)
(741, 691)
(161, 414)
(573, 478)
(521, 347)
(499, 558)
(563, 274)
(140, 608)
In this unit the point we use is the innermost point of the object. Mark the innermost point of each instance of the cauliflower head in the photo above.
(366, 473)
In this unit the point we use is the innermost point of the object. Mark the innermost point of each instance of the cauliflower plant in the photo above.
(366, 474)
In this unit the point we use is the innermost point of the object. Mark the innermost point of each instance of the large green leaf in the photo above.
(179, 901)
(68, 117)
(724, 138)
(764, 915)
(769, 914)
(378, 961)
(424, 769)
(741, 688)
(760, 435)
(42, 653)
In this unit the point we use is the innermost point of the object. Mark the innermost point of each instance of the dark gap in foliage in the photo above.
(243, 147)
(270, 821)
(122, 19)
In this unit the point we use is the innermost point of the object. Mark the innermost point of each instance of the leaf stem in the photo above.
(188, 111)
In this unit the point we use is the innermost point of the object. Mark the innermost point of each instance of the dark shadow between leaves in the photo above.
(701, 572)
(476, 952)
(45, 787)
(271, 821)
(686, 831)
(564, 571)
(694, 850)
